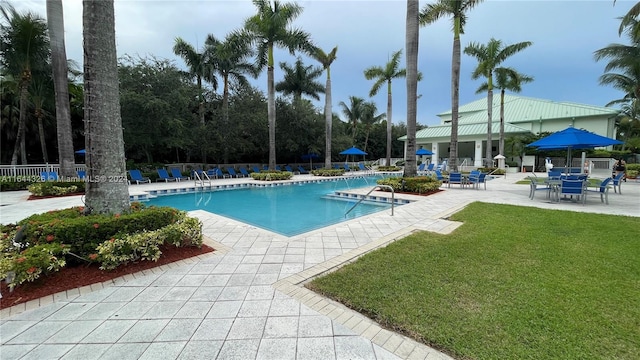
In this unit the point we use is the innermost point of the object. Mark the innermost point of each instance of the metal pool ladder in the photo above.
(370, 191)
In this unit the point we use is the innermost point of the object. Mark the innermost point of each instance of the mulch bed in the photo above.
(78, 276)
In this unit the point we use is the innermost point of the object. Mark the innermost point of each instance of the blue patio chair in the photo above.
(456, 178)
(255, 169)
(346, 167)
(364, 168)
(430, 168)
(603, 190)
(539, 184)
(289, 169)
(421, 169)
(164, 175)
(617, 181)
(244, 172)
(49, 176)
(439, 175)
(476, 178)
(136, 176)
(572, 188)
(82, 174)
(278, 168)
(302, 170)
(176, 173)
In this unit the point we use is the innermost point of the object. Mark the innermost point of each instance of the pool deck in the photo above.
(246, 300)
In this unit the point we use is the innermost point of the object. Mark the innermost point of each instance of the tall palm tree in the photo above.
(24, 49)
(300, 80)
(506, 79)
(629, 20)
(353, 112)
(55, 22)
(230, 58)
(40, 94)
(489, 57)
(384, 75)
(105, 161)
(199, 67)
(269, 28)
(326, 59)
(411, 44)
(368, 118)
(457, 9)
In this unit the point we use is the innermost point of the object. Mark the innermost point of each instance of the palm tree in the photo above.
(411, 44)
(270, 27)
(353, 114)
(368, 118)
(109, 193)
(40, 93)
(24, 49)
(506, 79)
(55, 22)
(199, 67)
(629, 19)
(382, 76)
(326, 59)
(300, 80)
(489, 57)
(457, 10)
(230, 59)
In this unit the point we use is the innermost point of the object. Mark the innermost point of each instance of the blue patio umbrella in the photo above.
(310, 157)
(81, 152)
(353, 151)
(572, 138)
(421, 152)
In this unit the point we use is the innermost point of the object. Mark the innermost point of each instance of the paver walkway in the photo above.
(246, 300)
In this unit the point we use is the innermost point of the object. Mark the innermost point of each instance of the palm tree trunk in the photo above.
(271, 111)
(501, 141)
(389, 121)
(225, 118)
(55, 22)
(43, 143)
(328, 119)
(455, 95)
(489, 126)
(103, 125)
(411, 44)
(22, 122)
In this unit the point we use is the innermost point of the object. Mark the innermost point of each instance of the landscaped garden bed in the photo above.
(40, 247)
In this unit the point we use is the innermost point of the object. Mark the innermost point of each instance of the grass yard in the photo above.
(511, 283)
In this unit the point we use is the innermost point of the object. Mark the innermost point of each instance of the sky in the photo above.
(564, 34)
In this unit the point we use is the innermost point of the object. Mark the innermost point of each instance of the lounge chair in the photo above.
(278, 168)
(421, 169)
(255, 169)
(164, 175)
(217, 172)
(136, 176)
(244, 172)
(617, 181)
(49, 176)
(176, 173)
(302, 170)
(232, 172)
(603, 190)
(289, 169)
(347, 168)
(365, 169)
(439, 175)
(82, 174)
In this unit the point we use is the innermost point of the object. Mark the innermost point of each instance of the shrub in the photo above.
(389, 168)
(634, 167)
(12, 183)
(272, 175)
(83, 233)
(56, 188)
(419, 184)
(29, 264)
(328, 172)
(146, 245)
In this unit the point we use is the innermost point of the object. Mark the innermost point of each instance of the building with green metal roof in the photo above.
(521, 115)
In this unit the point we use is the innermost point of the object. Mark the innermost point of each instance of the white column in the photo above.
(477, 157)
(435, 156)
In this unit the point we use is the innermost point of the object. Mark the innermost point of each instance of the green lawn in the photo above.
(510, 283)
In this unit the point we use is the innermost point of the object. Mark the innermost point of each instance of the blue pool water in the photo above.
(288, 210)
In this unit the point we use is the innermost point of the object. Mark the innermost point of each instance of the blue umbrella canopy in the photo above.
(310, 156)
(423, 152)
(353, 151)
(81, 152)
(572, 138)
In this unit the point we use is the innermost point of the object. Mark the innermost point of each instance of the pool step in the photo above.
(380, 199)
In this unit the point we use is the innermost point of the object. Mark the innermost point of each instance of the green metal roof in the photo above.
(444, 131)
(524, 109)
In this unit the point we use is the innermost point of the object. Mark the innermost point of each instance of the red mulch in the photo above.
(74, 277)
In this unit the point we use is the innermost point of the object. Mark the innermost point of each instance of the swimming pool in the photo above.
(289, 209)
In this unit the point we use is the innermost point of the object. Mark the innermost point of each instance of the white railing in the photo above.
(31, 169)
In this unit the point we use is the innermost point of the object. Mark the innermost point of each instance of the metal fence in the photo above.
(31, 169)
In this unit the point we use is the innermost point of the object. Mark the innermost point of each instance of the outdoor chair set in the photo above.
(473, 179)
(558, 186)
